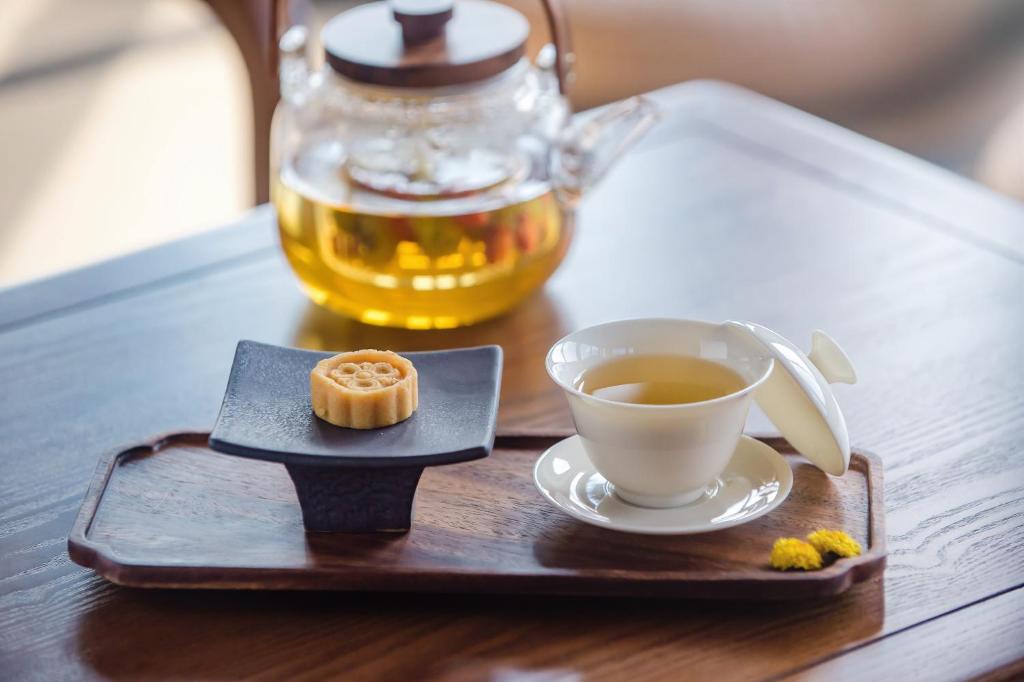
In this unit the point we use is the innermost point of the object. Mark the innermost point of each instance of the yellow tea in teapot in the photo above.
(417, 264)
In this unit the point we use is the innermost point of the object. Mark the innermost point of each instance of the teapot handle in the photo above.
(558, 26)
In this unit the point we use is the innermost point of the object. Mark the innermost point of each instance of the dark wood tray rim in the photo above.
(831, 580)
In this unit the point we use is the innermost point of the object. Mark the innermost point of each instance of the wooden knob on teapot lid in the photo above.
(421, 20)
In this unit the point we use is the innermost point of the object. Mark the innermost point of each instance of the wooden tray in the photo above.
(177, 514)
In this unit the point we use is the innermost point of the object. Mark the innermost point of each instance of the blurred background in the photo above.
(126, 123)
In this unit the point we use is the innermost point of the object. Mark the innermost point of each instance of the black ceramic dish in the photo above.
(349, 479)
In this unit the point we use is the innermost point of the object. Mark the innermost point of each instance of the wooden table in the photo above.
(735, 207)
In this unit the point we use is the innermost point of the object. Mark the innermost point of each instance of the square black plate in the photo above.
(266, 413)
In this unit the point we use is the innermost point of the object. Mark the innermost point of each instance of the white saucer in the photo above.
(756, 481)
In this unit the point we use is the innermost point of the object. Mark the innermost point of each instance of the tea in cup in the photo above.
(659, 404)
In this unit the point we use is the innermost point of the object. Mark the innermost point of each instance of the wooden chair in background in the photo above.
(256, 25)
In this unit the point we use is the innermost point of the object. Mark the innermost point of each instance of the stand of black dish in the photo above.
(355, 500)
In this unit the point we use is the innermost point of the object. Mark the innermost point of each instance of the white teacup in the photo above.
(658, 455)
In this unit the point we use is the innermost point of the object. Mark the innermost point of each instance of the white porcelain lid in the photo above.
(797, 396)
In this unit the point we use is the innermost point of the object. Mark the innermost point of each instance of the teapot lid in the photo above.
(798, 399)
(424, 43)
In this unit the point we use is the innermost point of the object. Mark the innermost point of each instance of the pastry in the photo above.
(364, 389)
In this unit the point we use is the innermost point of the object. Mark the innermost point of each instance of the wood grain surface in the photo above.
(735, 207)
(177, 514)
(938, 650)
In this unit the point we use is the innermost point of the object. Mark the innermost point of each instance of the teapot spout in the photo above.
(588, 149)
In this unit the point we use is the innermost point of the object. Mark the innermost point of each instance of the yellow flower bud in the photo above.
(834, 542)
(794, 553)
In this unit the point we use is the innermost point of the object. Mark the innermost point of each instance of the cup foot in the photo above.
(658, 501)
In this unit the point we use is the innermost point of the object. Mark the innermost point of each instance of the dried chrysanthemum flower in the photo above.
(834, 542)
(790, 553)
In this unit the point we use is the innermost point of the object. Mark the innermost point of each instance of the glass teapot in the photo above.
(426, 176)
